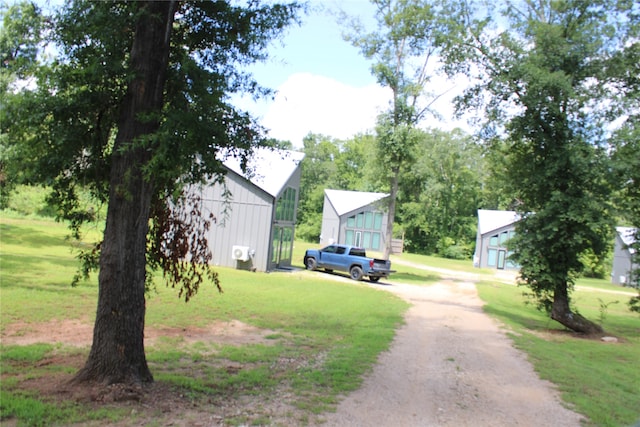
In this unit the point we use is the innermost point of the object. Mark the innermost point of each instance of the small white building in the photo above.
(355, 218)
(495, 228)
(623, 255)
(256, 216)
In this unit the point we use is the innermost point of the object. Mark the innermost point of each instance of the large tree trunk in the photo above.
(561, 313)
(117, 353)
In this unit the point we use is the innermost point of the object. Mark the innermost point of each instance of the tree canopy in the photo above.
(539, 84)
(402, 48)
(134, 106)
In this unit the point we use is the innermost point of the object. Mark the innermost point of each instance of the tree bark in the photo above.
(561, 313)
(117, 353)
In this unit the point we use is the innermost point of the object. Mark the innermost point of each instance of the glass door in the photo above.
(502, 255)
(281, 246)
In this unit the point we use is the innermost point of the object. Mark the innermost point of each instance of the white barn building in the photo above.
(623, 256)
(354, 218)
(495, 228)
(255, 223)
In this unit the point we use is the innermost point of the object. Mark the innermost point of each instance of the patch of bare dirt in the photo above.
(158, 403)
(79, 333)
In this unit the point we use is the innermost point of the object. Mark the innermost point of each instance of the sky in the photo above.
(323, 84)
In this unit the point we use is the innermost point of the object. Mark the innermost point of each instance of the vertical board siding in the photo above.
(247, 222)
(330, 230)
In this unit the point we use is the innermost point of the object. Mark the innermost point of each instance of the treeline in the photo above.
(438, 195)
(451, 176)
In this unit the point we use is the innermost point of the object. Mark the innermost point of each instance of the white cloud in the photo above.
(309, 103)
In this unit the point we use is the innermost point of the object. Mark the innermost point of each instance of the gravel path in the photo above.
(451, 365)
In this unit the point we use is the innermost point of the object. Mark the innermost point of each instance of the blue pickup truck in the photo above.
(349, 259)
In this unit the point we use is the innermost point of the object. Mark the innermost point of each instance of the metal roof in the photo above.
(628, 236)
(489, 220)
(347, 201)
(267, 169)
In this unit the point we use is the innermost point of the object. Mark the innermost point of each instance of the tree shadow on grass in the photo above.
(533, 323)
(19, 235)
(415, 279)
(15, 267)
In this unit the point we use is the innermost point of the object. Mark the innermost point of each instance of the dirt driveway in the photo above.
(451, 365)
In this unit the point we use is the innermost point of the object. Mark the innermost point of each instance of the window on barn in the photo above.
(286, 206)
(503, 238)
(492, 257)
(377, 221)
(362, 229)
(348, 239)
(498, 254)
(368, 220)
(375, 241)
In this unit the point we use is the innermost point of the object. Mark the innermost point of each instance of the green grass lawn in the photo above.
(601, 380)
(329, 333)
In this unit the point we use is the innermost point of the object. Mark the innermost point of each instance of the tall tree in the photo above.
(354, 162)
(318, 172)
(135, 108)
(543, 77)
(402, 49)
(20, 38)
(440, 193)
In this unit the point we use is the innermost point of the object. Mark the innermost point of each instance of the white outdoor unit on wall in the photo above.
(240, 253)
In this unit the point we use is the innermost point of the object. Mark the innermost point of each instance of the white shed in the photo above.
(495, 228)
(623, 255)
(355, 218)
(255, 222)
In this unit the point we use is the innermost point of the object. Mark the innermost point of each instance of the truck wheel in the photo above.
(310, 263)
(355, 273)
(374, 279)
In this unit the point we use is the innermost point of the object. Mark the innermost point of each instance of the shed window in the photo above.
(362, 230)
(366, 239)
(377, 221)
(368, 220)
(492, 257)
(375, 241)
(286, 206)
(348, 237)
(503, 238)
